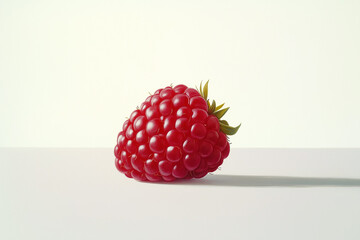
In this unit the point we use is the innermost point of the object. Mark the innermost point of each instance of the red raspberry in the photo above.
(176, 133)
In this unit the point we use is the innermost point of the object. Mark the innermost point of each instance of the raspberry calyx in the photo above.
(217, 111)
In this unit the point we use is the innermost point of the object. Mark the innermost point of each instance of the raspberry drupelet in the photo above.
(175, 134)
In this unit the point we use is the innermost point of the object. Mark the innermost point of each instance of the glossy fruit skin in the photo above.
(171, 136)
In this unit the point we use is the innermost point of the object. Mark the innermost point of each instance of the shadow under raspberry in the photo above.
(269, 181)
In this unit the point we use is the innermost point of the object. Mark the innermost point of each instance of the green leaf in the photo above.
(205, 90)
(224, 122)
(212, 107)
(219, 107)
(219, 114)
(228, 130)
(217, 111)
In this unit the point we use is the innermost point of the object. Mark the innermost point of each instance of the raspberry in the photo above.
(175, 133)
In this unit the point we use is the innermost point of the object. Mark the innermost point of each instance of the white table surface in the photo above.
(257, 194)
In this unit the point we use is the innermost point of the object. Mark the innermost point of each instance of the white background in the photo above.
(71, 71)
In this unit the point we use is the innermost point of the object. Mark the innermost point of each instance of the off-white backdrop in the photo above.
(71, 71)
